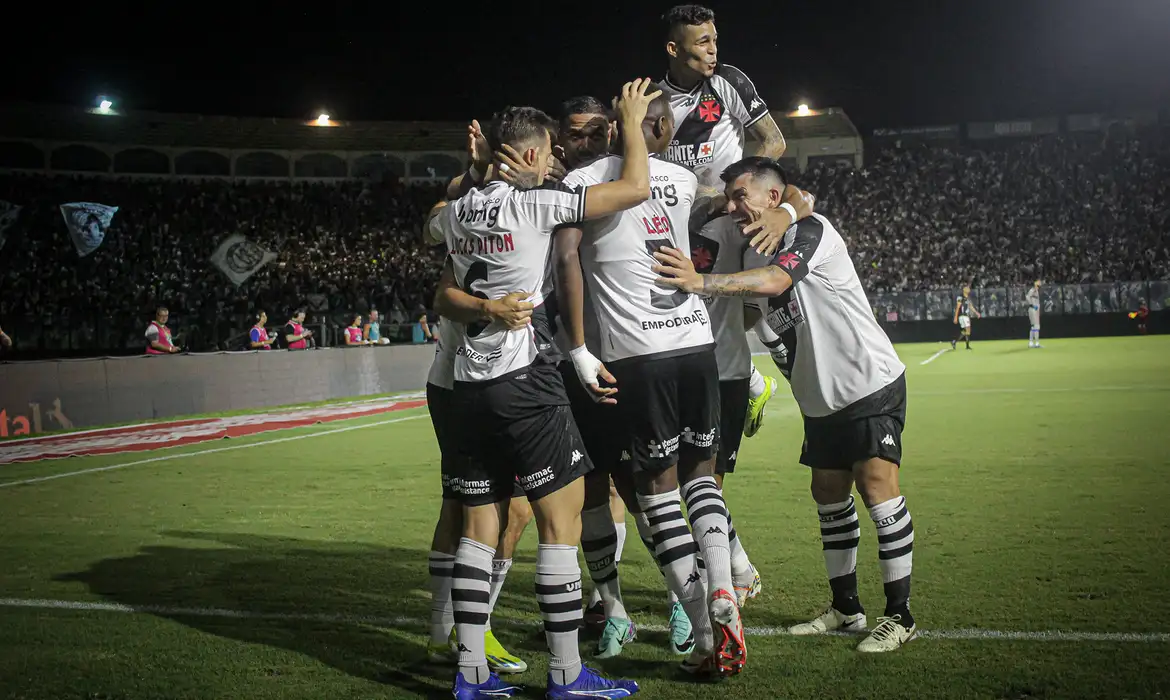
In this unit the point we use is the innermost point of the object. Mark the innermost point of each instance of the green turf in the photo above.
(1036, 480)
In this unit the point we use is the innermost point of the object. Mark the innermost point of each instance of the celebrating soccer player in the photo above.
(964, 310)
(849, 384)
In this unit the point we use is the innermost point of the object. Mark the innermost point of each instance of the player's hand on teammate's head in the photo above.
(556, 168)
(477, 147)
(634, 101)
(519, 173)
(677, 270)
(512, 311)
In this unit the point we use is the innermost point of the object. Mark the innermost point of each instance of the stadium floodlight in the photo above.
(104, 105)
(802, 110)
(322, 119)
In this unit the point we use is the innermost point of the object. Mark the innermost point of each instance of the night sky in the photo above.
(892, 63)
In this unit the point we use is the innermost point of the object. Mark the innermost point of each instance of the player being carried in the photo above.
(964, 310)
(510, 400)
(850, 387)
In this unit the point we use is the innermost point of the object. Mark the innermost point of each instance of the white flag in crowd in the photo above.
(238, 258)
(87, 223)
(8, 214)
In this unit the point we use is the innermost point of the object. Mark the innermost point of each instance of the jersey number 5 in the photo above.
(663, 301)
(476, 272)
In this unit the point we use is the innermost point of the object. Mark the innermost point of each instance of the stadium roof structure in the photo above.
(818, 123)
(60, 123)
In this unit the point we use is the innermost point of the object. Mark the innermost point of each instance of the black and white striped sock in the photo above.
(840, 533)
(558, 592)
(710, 523)
(895, 533)
(675, 550)
(599, 544)
(440, 566)
(470, 593)
(644, 534)
(500, 569)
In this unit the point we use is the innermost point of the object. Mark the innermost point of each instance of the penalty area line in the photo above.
(935, 356)
(418, 623)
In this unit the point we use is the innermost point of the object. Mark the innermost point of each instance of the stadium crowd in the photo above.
(1067, 209)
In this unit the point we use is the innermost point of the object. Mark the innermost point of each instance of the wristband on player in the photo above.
(790, 209)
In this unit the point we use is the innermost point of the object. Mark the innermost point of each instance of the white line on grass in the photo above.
(180, 455)
(935, 356)
(165, 610)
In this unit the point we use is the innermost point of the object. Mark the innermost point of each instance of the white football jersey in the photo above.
(442, 372)
(637, 316)
(709, 122)
(499, 239)
(837, 352)
(718, 248)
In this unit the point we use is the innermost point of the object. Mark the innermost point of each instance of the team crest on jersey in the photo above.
(709, 108)
(704, 251)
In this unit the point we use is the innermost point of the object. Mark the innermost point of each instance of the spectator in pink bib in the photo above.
(294, 331)
(259, 335)
(353, 332)
(158, 336)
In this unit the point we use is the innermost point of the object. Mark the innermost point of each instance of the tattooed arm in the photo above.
(772, 143)
(678, 271)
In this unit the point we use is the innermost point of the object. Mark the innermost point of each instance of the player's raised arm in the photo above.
(634, 186)
(453, 303)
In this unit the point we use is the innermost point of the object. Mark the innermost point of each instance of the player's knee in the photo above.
(831, 486)
(877, 481)
(482, 523)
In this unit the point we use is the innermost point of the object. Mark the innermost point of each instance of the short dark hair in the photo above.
(686, 15)
(517, 126)
(583, 104)
(297, 312)
(754, 166)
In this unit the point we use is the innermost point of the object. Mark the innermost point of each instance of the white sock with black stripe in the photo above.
(644, 534)
(599, 543)
(895, 533)
(741, 566)
(709, 521)
(470, 592)
(440, 566)
(675, 550)
(558, 592)
(840, 533)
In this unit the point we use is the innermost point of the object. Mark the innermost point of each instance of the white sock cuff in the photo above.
(831, 508)
(501, 567)
(557, 560)
(478, 550)
(648, 501)
(884, 510)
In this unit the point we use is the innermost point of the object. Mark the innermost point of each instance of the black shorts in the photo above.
(442, 410)
(870, 427)
(669, 405)
(734, 396)
(598, 423)
(518, 428)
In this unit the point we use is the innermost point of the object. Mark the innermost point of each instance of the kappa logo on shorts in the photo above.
(576, 456)
(889, 440)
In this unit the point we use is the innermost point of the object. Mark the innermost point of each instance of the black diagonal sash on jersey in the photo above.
(698, 126)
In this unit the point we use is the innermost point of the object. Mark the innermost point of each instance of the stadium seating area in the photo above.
(1063, 208)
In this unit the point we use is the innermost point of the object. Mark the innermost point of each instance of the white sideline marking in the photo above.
(214, 450)
(935, 356)
(959, 634)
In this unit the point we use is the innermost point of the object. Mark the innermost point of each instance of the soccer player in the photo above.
(1033, 298)
(512, 312)
(513, 413)
(964, 310)
(714, 104)
(851, 389)
(658, 346)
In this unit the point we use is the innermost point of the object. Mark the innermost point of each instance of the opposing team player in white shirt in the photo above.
(1033, 299)
(714, 106)
(510, 400)
(851, 389)
(657, 344)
